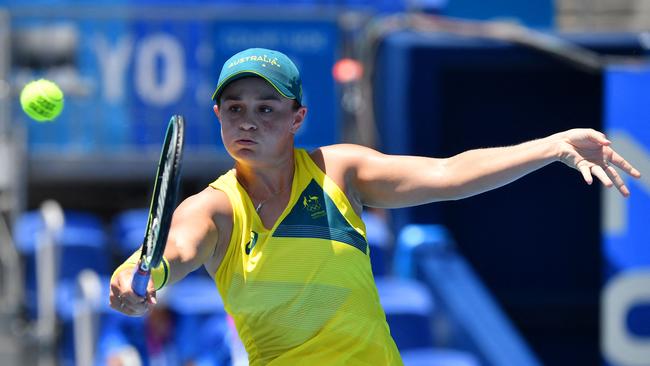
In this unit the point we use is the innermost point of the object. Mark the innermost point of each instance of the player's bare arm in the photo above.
(391, 181)
(199, 235)
(194, 237)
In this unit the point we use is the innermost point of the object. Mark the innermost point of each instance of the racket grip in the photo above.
(140, 282)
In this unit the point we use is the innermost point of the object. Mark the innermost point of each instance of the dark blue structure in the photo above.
(534, 242)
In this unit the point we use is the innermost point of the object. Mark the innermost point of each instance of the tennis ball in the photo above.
(42, 100)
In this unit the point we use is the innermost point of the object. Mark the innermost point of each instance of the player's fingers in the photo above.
(123, 299)
(114, 301)
(115, 287)
(121, 281)
(122, 285)
(118, 292)
(601, 175)
(132, 298)
(618, 181)
(134, 310)
(127, 295)
(116, 281)
(586, 173)
(127, 306)
(598, 137)
(151, 298)
(618, 160)
(151, 293)
(118, 303)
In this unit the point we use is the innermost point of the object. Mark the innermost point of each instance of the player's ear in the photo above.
(298, 118)
(215, 108)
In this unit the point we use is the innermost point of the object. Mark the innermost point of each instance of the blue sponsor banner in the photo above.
(124, 76)
(171, 73)
(625, 314)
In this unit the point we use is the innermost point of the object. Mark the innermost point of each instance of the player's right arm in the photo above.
(199, 235)
(390, 181)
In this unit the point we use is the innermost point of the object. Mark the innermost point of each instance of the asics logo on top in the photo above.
(251, 243)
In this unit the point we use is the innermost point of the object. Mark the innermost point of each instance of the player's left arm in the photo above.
(391, 181)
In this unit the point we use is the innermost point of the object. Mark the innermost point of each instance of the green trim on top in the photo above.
(316, 216)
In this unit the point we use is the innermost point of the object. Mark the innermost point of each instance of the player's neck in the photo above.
(263, 182)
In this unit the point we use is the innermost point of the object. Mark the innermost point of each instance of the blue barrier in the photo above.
(426, 252)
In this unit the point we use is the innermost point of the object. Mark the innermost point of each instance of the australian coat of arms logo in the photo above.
(313, 205)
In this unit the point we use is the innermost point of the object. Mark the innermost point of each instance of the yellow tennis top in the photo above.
(302, 292)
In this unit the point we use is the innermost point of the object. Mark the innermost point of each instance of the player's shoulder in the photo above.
(341, 154)
(344, 148)
(209, 203)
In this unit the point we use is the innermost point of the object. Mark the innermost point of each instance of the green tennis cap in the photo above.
(273, 66)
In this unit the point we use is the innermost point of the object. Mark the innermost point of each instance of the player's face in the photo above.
(257, 122)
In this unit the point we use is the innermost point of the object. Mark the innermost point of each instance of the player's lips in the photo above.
(246, 142)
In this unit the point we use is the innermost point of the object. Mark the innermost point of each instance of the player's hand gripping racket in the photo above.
(163, 203)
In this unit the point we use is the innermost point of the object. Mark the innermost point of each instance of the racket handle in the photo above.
(140, 281)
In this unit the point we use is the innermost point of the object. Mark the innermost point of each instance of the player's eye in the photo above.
(266, 109)
(234, 109)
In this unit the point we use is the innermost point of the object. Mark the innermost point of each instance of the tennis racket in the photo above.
(163, 203)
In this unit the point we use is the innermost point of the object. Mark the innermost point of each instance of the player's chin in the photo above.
(246, 152)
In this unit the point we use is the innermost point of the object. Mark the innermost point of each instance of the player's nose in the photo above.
(248, 124)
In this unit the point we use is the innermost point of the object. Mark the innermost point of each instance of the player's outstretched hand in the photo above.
(589, 151)
(123, 299)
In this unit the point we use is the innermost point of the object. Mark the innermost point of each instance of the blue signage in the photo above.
(126, 76)
(625, 317)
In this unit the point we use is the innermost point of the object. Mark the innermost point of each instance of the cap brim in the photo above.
(244, 73)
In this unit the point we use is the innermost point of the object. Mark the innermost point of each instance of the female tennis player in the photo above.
(281, 232)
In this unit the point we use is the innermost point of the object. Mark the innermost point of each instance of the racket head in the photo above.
(165, 195)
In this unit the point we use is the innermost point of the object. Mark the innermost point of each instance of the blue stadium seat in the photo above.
(118, 332)
(214, 347)
(409, 308)
(438, 357)
(152, 339)
(67, 296)
(416, 241)
(127, 231)
(82, 244)
(193, 295)
(379, 240)
(201, 327)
